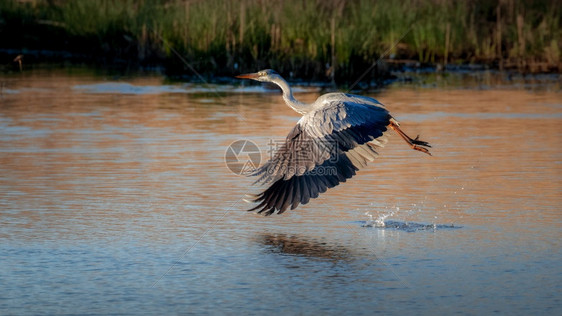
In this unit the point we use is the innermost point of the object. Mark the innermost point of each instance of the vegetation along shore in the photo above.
(320, 39)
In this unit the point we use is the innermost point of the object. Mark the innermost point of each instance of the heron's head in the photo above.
(266, 75)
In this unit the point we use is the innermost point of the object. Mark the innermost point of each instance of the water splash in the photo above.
(379, 221)
(413, 227)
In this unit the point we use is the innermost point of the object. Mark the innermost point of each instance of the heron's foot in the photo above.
(419, 145)
(419, 148)
(415, 143)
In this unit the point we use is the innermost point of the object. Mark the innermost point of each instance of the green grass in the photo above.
(313, 39)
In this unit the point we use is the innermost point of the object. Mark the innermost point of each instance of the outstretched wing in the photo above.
(325, 148)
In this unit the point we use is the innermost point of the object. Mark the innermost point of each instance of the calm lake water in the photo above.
(115, 199)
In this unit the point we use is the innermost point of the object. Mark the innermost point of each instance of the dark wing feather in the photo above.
(325, 148)
(300, 189)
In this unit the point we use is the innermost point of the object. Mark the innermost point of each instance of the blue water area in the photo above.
(116, 199)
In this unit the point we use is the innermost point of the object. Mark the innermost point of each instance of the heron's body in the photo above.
(336, 136)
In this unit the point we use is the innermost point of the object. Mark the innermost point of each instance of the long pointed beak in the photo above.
(248, 76)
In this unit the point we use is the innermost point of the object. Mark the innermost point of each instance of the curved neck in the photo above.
(290, 100)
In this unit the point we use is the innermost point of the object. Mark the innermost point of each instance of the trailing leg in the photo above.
(414, 143)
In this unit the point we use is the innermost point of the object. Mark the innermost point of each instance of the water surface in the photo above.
(115, 199)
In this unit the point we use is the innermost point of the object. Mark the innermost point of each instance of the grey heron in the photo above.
(335, 137)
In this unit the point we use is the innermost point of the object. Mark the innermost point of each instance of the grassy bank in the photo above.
(312, 39)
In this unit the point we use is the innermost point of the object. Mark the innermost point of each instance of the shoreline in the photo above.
(471, 76)
(41, 56)
(323, 41)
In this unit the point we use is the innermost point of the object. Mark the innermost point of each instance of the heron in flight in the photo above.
(335, 137)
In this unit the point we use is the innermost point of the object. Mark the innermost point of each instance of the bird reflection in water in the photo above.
(304, 247)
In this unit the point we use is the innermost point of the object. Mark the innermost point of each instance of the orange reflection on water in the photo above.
(77, 154)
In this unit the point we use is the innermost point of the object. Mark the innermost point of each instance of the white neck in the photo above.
(290, 100)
